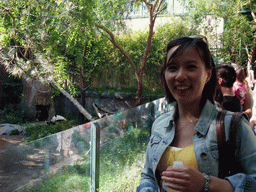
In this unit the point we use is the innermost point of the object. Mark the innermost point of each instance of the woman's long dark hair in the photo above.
(204, 53)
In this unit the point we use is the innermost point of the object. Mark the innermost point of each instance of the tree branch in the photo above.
(50, 79)
(112, 39)
(155, 4)
(251, 54)
(147, 3)
(73, 100)
(159, 11)
(14, 26)
(252, 11)
(247, 50)
(151, 33)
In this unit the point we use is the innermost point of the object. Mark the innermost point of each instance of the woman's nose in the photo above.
(181, 74)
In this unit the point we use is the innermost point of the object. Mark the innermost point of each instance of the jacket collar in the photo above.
(206, 117)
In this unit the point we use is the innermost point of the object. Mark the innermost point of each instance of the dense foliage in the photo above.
(61, 40)
(41, 130)
(237, 41)
(118, 72)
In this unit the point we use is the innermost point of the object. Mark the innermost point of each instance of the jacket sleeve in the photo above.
(148, 182)
(246, 153)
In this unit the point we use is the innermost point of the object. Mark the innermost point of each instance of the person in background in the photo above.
(250, 80)
(241, 91)
(187, 132)
(227, 99)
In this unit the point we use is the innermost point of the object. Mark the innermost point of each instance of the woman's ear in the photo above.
(209, 75)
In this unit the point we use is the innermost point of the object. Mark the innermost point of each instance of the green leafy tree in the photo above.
(154, 8)
(118, 72)
(238, 42)
(57, 41)
(37, 38)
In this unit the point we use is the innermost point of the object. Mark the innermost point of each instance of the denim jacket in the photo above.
(206, 148)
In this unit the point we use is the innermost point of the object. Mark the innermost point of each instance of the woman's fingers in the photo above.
(183, 178)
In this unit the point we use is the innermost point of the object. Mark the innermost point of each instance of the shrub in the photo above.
(37, 131)
(15, 114)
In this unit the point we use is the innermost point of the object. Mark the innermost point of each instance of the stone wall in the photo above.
(109, 102)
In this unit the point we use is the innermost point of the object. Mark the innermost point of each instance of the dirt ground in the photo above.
(21, 168)
(8, 141)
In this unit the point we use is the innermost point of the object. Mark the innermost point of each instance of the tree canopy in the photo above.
(57, 40)
(66, 41)
(238, 38)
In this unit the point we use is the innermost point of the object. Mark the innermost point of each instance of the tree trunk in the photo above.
(82, 85)
(81, 117)
(154, 10)
(140, 87)
(251, 55)
(74, 101)
(1, 88)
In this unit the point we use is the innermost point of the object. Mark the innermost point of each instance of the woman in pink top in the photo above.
(240, 90)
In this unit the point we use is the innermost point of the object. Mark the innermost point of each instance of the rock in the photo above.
(121, 95)
(91, 94)
(7, 129)
(105, 94)
(56, 118)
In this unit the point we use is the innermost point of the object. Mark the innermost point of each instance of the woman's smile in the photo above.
(181, 88)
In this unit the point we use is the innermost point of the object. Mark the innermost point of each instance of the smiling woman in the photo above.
(186, 75)
(188, 132)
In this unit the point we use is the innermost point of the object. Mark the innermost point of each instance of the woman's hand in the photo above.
(183, 179)
(187, 179)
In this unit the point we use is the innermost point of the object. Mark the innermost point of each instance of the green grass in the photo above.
(67, 179)
(121, 162)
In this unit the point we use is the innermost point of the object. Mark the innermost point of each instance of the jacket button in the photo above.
(203, 155)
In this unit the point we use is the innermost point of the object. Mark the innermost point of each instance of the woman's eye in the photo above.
(192, 67)
(171, 68)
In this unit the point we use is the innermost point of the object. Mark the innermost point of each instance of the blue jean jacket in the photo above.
(206, 149)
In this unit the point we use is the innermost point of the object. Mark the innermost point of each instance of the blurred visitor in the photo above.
(242, 92)
(226, 98)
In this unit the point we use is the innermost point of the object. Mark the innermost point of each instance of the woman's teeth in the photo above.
(182, 88)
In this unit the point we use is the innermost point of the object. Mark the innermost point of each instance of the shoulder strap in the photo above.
(220, 129)
(221, 138)
(227, 149)
(233, 127)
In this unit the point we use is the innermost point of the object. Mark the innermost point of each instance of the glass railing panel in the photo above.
(120, 145)
(123, 145)
(24, 166)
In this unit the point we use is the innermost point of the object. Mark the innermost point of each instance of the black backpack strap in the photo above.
(233, 127)
(227, 149)
(221, 138)
(220, 129)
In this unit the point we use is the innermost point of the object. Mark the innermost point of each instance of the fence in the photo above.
(24, 166)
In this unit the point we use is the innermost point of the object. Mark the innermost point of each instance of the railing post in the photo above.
(46, 161)
(95, 156)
